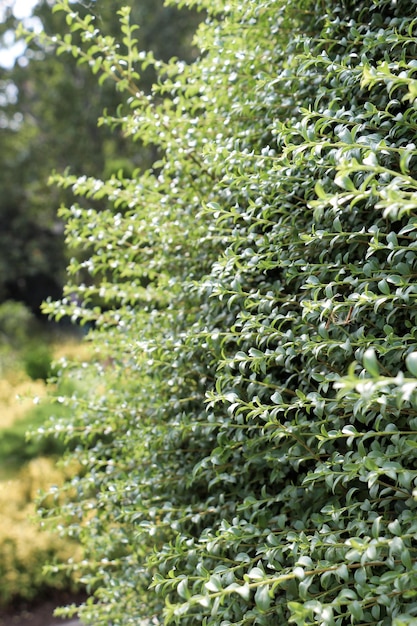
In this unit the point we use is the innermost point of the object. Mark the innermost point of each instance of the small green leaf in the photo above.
(262, 598)
(318, 188)
(406, 559)
(276, 398)
(356, 610)
(383, 287)
(242, 590)
(214, 206)
(256, 574)
(411, 362)
(342, 180)
(370, 362)
(214, 584)
(395, 527)
(183, 590)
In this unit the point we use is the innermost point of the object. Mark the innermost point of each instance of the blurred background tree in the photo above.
(48, 121)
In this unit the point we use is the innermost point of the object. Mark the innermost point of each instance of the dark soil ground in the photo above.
(39, 613)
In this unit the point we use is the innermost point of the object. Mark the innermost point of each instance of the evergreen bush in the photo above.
(250, 450)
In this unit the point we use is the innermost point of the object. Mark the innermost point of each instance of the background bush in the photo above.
(250, 449)
(16, 322)
(37, 361)
(25, 549)
(24, 440)
(29, 464)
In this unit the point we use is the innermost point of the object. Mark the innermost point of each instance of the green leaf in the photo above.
(276, 398)
(370, 362)
(183, 590)
(411, 362)
(262, 598)
(214, 584)
(243, 590)
(355, 608)
(384, 287)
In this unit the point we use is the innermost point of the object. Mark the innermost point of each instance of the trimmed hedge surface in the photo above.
(250, 449)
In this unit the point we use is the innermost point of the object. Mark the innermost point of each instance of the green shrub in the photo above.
(37, 360)
(16, 325)
(16, 321)
(235, 459)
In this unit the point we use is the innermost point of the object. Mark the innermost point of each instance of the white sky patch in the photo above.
(10, 48)
(9, 55)
(20, 8)
(23, 8)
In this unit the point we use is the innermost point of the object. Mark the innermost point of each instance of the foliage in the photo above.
(28, 464)
(17, 327)
(24, 548)
(16, 324)
(235, 459)
(48, 120)
(19, 442)
(25, 409)
(38, 361)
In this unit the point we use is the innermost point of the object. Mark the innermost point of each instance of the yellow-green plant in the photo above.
(25, 548)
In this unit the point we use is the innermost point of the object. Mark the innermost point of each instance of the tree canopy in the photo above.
(49, 114)
(248, 447)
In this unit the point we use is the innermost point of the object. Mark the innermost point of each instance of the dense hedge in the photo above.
(250, 453)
